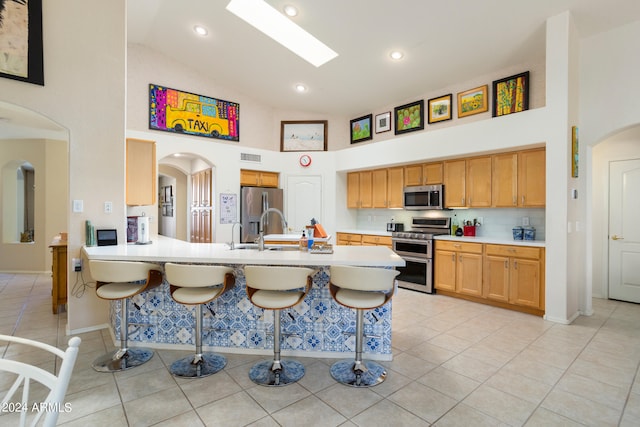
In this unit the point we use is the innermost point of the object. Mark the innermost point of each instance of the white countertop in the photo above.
(290, 237)
(482, 239)
(371, 232)
(165, 249)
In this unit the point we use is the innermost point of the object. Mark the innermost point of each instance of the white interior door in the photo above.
(624, 230)
(304, 201)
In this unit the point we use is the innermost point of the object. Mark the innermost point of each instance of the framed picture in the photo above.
(511, 94)
(575, 152)
(303, 135)
(173, 110)
(21, 55)
(383, 122)
(360, 129)
(473, 101)
(409, 117)
(440, 108)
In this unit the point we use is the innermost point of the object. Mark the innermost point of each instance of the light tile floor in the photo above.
(455, 363)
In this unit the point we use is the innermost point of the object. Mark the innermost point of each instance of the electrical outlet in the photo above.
(525, 220)
(77, 264)
(108, 207)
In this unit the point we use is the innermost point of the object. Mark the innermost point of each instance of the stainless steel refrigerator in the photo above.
(254, 201)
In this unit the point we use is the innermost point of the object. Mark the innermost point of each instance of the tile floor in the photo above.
(455, 363)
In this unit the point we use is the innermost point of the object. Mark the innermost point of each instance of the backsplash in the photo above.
(496, 223)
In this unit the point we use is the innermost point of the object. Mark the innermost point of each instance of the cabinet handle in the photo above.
(523, 200)
(515, 200)
(453, 258)
(506, 264)
(460, 258)
(515, 265)
(456, 245)
(462, 201)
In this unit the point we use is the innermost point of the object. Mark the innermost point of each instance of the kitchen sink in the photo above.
(254, 246)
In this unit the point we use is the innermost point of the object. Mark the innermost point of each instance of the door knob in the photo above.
(614, 237)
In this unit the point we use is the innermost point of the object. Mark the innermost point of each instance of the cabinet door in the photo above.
(478, 182)
(445, 270)
(454, 183)
(141, 177)
(525, 282)
(432, 173)
(413, 175)
(379, 188)
(269, 179)
(504, 180)
(395, 187)
(353, 190)
(496, 278)
(249, 178)
(532, 178)
(469, 274)
(195, 190)
(366, 189)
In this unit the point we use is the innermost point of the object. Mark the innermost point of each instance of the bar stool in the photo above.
(121, 280)
(275, 288)
(196, 285)
(361, 288)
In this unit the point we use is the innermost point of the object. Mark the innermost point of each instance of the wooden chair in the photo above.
(29, 410)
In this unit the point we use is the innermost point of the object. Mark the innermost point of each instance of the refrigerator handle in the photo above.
(265, 206)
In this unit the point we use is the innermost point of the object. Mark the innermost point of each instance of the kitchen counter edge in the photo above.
(492, 240)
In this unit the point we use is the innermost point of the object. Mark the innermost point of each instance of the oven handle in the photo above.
(419, 260)
(412, 241)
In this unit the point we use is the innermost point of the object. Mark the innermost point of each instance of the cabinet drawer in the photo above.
(376, 240)
(474, 248)
(513, 251)
(349, 237)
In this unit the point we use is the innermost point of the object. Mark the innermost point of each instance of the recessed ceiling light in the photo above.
(283, 30)
(301, 88)
(396, 55)
(290, 10)
(200, 30)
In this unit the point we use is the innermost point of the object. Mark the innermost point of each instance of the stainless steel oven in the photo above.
(416, 248)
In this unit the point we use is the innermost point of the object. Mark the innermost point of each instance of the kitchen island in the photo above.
(316, 327)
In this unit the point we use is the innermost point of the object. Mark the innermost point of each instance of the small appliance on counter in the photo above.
(395, 226)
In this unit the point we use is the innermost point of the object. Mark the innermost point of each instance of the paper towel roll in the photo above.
(143, 229)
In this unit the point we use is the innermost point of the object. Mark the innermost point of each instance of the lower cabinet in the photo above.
(507, 276)
(352, 239)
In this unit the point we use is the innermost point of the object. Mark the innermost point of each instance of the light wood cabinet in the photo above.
(454, 179)
(379, 188)
(395, 187)
(141, 178)
(253, 178)
(532, 178)
(504, 180)
(478, 182)
(459, 267)
(348, 239)
(514, 274)
(356, 239)
(424, 174)
(375, 240)
(58, 275)
(360, 189)
(353, 190)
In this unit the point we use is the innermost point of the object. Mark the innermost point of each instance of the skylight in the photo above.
(280, 28)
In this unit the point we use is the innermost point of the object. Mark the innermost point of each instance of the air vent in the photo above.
(250, 157)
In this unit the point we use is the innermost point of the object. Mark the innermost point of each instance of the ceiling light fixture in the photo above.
(301, 88)
(290, 10)
(396, 55)
(277, 26)
(200, 30)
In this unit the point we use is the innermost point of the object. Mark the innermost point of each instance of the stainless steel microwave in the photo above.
(423, 197)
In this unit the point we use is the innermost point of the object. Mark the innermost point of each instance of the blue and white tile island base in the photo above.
(317, 327)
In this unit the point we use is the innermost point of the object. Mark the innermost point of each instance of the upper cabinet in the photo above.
(504, 180)
(251, 178)
(140, 172)
(423, 174)
(395, 187)
(478, 182)
(454, 177)
(532, 174)
(380, 188)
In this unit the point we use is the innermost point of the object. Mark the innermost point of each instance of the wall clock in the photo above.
(305, 160)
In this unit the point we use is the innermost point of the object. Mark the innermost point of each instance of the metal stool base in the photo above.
(344, 373)
(120, 361)
(197, 366)
(262, 374)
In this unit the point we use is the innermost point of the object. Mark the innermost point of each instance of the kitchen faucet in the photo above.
(262, 217)
(233, 228)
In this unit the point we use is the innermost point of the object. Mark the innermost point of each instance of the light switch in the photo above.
(78, 206)
(108, 207)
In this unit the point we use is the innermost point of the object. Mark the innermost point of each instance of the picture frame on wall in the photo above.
(575, 152)
(303, 135)
(511, 94)
(473, 101)
(360, 129)
(409, 117)
(439, 108)
(383, 122)
(22, 28)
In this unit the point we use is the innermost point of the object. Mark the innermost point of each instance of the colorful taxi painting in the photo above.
(182, 112)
